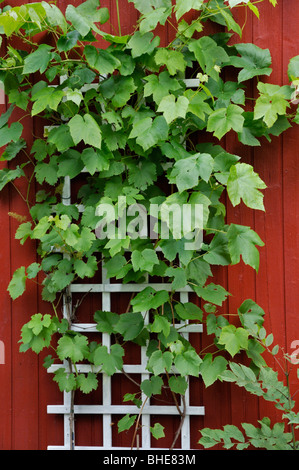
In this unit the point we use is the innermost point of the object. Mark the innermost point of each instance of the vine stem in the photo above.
(118, 17)
(137, 422)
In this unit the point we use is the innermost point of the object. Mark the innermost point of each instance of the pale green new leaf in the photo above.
(173, 108)
(85, 128)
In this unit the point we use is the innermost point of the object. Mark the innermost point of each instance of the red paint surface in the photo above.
(25, 387)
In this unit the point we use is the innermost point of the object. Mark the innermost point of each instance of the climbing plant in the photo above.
(118, 108)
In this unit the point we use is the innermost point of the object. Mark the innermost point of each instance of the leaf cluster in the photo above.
(124, 116)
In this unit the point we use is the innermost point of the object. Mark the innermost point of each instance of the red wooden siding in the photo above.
(25, 387)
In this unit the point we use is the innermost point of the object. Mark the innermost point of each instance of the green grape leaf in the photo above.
(85, 128)
(10, 133)
(141, 44)
(130, 325)
(183, 6)
(178, 384)
(250, 314)
(110, 362)
(188, 363)
(157, 431)
(106, 321)
(54, 16)
(38, 60)
(160, 85)
(86, 269)
(87, 383)
(242, 241)
(151, 20)
(208, 54)
(222, 120)
(66, 381)
(253, 60)
(187, 171)
(126, 422)
(152, 386)
(149, 298)
(211, 370)
(159, 362)
(149, 132)
(173, 60)
(245, 184)
(217, 251)
(173, 108)
(46, 97)
(159, 324)
(17, 284)
(233, 339)
(74, 347)
(101, 60)
(7, 175)
(144, 260)
(189, 311)
(272, 102)
(212, 293)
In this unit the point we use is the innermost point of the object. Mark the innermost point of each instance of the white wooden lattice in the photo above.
(106, 410)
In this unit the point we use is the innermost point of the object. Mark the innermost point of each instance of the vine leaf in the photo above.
(183, 6)
(152, 386)
(143, 43)
(38, 60)
(85, 128)
(110, 362)
(157, 431)
(74, 347)
(222, 120)
(254, 61)
(126, 422)
(272, 102)
(129, 325)
(186, 172)
(244, 183)
(87, 383)
(233, 339)
(242, 241)
(188, 363)
(159, 362)
(66, 381)
(173, 108)
(211, 370)
(17, 284)
(173, 60)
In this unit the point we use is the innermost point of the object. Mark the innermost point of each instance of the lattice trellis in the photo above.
(106, 410)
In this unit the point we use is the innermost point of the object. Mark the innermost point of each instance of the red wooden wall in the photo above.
(25, 387)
